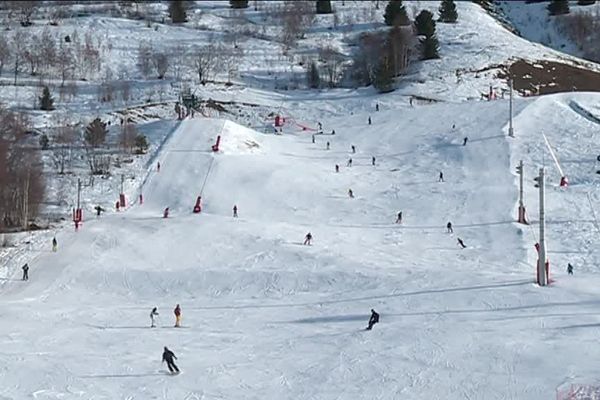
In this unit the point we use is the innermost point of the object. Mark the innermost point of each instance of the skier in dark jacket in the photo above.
(569, 269)
(168, 356)
(465, 140)
(449, 227)
(327, 145)
(26, 272)
(235, 211)
(373, 160)
(353, 149)
(373, 320)
(349, 164)
(337, 168)
(99, 210)
(307, 239)
(399, 218)
(441, 178)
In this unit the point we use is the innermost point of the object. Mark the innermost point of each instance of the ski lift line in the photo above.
(210, 165)
(553, 155)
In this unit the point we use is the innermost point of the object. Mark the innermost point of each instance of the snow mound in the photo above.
(238, 139)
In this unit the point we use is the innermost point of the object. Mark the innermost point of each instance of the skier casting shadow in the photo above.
(373, 320)
(168, 356)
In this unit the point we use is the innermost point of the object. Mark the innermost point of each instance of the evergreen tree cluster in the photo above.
(448, 12)
(425, 26)
(178, 11)
(238, 3)
(46, 100)
(324, 7)
(395, 14)
(558, 7)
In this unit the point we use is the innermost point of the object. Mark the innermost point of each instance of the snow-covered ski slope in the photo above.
(267, 318)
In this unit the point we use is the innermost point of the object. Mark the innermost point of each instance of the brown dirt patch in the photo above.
(545, 77)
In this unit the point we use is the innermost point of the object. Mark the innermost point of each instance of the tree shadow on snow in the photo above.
(121, 375)
(332, 318)
(597, 325)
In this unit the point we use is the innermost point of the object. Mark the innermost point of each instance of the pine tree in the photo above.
(395, 14)
(46, 100)
(177, 11)
(324, 7)
(384, 76)
(312, 76)
(586, 2)
(141, 143)
(238, 3)
(448, 11)
(430, 47)
(95, 133)
(558, 7)
(44, 142)
(425, 24)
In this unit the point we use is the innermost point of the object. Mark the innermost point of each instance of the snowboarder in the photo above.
(465, 141)
(350, 193)
(99, 210)
(369, 120)
(349, 163)
(353, 149)
(376, 106)
(54, 244)
(399, 218)
(569, 269)
(158, 166)
(235, 211)
(373, 320)
(327, 145)
(166, 213)
(177, 312)
(26, 272)
(449, 227)
(337, 168)
(373, 160)
(313, 138)
(461, 243)
(307, 239)
(168, 356)
(153, 314)
(441, 178)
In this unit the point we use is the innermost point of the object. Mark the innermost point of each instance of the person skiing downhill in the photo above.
(369, 120)
(313, 138)
(235, 211)
(307, 239)
(376, 106)
(177, 312)
(373, 160)
(327, 145)
(449, 227)
(54, 244)
(153, 314)
(99, 210)
(166, 213)
(373, 320)
(349, 163)
(168, 357)
(461, 243)
(465, 141)
(569, 269)
(158, 166)
(337, 168)
(353, 149)
(399, 218)
(25, 272)
(441, 178)
(118, 205)
(350, 193)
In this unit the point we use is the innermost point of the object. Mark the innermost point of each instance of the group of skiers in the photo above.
(176, 312)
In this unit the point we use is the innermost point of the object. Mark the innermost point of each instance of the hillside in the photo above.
(266, 317)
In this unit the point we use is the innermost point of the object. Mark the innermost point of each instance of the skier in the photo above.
(337, 168)
(569, 269)
(54, 244)
(168, 356)
(399, 218)
(166, 213)
(313, 138)
(118, 205)
(353, 149)
(307, 239)
(411, 101)
(349, 163)
(158, 166)
(99, 210)
(320, 126)
(373, 160)
(465, 141)
(177, 312)
(376, 106)
(441, 178)
(453, 126)
(369, 120)
(449, 227)
(373, 320)
(327, 145)
(350, 193)
(461, 243)
(235, 211)
(153, 314)
(333, 131)
(26, 272)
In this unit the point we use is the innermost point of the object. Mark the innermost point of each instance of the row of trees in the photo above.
(21, 182)
(561, 7)
(395, 13)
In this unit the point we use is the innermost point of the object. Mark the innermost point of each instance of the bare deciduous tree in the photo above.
(64, 142)
(332, 64)
(128, 135)
(161, 63)
(5, 52)
(144, 59)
